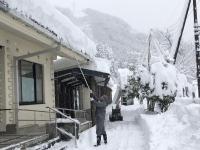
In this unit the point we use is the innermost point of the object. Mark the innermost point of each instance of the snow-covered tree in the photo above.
(104, 51)
(159, 85)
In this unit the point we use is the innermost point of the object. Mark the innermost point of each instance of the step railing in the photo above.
(77, 113)
(76, 123)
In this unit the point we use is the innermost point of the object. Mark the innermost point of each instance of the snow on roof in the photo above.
(99, 64)
(47, 14)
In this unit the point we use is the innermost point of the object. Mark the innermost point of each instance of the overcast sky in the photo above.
(142, 15)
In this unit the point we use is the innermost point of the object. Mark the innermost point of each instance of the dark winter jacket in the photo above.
(100, 113)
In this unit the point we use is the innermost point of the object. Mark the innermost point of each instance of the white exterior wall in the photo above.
(17, 46)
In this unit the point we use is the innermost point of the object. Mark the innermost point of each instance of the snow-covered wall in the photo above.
(47, 14)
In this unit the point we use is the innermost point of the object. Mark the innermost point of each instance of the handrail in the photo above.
(71, 109)
(57, 111)
(66, 110)
(54, 111)
(26, 110)
(61, 130)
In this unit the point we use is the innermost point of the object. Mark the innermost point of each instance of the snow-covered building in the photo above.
(27, 51)
(29, 72)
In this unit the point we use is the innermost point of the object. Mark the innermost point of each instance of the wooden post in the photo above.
(196, 37)
(149, 52)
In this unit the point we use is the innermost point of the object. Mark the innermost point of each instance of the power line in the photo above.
(176, 24)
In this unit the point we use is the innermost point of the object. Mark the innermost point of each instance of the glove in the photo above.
(91, 95)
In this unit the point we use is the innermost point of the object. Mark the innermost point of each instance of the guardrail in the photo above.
(53, 111)
(76, 122)
(77, 113)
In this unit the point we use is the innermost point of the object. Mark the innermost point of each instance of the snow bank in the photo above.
(182, 83)
(176, 129)
(124, 74)
(47, 14)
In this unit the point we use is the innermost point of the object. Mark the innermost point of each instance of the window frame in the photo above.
(35, 102)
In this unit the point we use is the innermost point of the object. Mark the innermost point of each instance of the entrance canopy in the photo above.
(74, 77)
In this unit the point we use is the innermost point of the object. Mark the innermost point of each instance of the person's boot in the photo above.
(98, 141)
(105, 138)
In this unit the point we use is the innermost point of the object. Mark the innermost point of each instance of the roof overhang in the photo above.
(75, 76)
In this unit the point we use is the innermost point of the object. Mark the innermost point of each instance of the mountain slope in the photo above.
(128, 45)
(112, 31)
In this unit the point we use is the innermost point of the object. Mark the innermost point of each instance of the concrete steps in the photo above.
(45, 145)
(11, 142)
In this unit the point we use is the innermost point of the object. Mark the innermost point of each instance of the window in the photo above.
(31, 82)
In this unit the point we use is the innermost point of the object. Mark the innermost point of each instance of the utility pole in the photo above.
(149, 52)
(177, 43)
(196, 37)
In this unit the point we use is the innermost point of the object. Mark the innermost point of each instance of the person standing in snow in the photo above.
(101, 104)
(193, 90)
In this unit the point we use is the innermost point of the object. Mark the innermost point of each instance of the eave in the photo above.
(18, 26)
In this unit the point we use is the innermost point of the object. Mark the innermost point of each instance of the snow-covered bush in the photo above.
(158, 84)
(133, 88)
(165, 84)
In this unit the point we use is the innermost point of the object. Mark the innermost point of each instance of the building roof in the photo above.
(34, 30)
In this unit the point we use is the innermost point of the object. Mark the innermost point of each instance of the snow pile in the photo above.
(113, 86)
(176, 129)
(47, 15)
(124, 76)
(182, 84)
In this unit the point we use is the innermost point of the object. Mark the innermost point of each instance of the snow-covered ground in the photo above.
(177, 129)
(125, 135)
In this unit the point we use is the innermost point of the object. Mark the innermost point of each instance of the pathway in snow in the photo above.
(125, 135)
